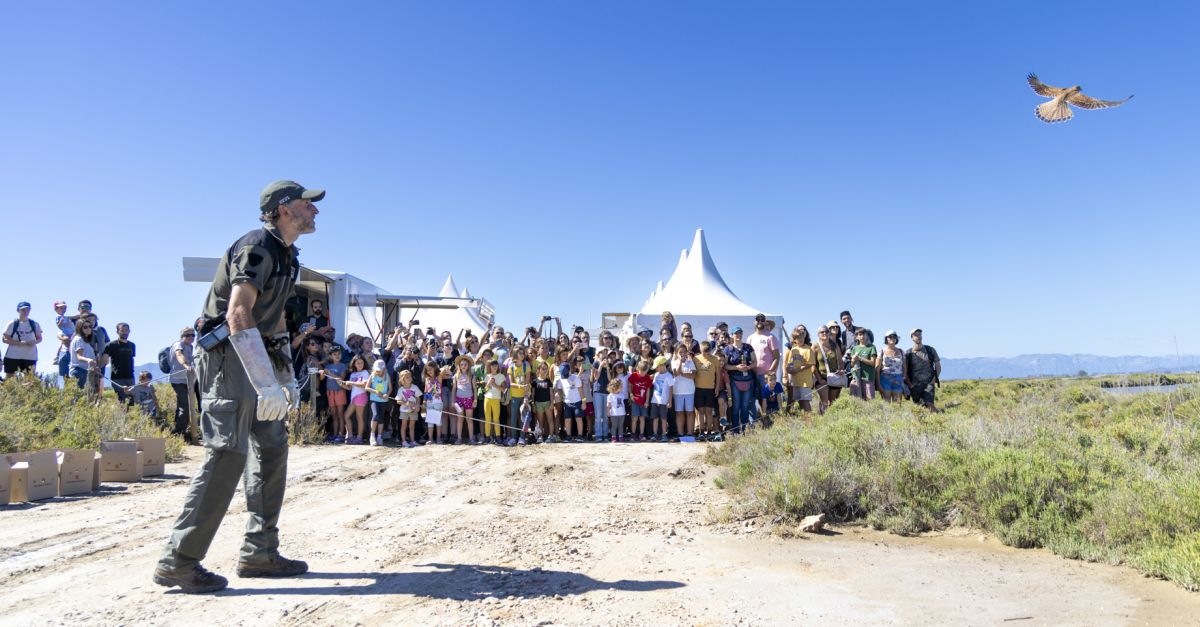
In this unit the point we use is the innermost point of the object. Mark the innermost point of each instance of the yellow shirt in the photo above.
(797, 358)
(519, 376)
(706, 370)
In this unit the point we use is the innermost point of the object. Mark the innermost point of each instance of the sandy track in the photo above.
(557, 534)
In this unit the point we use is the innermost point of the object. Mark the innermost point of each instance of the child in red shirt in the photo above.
(639, 393)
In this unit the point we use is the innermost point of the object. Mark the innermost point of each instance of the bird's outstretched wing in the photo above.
(1087, 102)
(1041, 88)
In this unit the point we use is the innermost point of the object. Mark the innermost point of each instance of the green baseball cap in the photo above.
(281, 192)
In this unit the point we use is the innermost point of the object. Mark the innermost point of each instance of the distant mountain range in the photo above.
(1062, 365)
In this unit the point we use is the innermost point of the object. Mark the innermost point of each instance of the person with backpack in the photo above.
(183, 377)
(22, 337)
(923, 370)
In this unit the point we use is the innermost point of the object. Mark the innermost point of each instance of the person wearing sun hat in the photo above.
(22, 336)
(243, 365)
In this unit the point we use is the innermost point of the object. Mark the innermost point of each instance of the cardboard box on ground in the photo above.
(119, 462)
(75, 468)
(154, 450)
(34, 476)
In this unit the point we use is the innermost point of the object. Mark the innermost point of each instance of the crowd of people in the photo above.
(418, 386)
(421, 386)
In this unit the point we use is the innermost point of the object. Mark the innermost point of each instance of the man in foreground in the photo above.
(247, 389)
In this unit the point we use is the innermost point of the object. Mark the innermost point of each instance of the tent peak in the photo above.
(449, 289)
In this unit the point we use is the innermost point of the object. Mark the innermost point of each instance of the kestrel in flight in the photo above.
(1057, 109)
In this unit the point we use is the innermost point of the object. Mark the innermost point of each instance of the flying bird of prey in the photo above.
(1056, 110)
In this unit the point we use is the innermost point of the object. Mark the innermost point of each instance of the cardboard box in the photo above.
(119, 462)
(34, 476)
(75, 469)
(5, 480)
(154, 462)
(96, 471)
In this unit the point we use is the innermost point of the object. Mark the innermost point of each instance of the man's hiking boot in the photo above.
(193, 579)
(276, 566)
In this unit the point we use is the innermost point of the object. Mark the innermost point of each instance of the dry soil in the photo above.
(583, 534)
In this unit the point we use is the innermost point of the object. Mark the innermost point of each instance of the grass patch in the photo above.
(1055, 463)
(34, 416)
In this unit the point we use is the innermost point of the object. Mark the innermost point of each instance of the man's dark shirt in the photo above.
(121, 354)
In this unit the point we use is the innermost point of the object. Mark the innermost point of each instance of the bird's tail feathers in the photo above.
(1054, 111)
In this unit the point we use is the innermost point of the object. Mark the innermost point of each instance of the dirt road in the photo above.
(558, 534)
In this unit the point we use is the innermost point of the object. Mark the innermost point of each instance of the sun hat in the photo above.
(891, 333)
(659, 361)
(379, 366)
(914, 331)
(832, 324)
(282, 192)
(642, 330)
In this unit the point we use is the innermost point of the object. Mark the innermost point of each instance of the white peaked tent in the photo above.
(696, 293)
(444, 319)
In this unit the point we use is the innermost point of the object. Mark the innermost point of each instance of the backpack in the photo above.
(33, 326)
(164, 359)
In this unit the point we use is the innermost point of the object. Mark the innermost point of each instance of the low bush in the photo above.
(1062, 464)
(35, 416)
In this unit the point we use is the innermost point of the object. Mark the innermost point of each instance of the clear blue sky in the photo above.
(556, 156)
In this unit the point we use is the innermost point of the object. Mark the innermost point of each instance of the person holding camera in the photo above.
(243, 365)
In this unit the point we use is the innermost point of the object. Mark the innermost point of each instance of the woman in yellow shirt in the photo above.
(800, 364)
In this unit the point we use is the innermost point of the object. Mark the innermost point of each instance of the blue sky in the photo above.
(555, 157)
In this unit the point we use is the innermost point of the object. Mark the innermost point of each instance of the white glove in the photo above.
(272, 400)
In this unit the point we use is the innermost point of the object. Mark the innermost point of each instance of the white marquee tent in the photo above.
(471, 318)
(696, 293)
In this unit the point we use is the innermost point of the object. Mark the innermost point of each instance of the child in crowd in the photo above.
(683, 373)
(572, 391)
(864, 359)
(379, 386)
(143, 395)
(639, 395)
(331, 374)
(409, 397)
(772, 391)
(357, 384)
(616, 410)
(542, 402)
(433, 401)
(526, 421)
(664, 385)
(493, 395)
(464, 397)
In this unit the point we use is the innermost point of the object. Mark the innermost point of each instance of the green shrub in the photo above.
(34, 416)
(1061, 464)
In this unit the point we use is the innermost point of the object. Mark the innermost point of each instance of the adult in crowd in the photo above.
(183, 379)
(85, 311)
(849, 334)
(923, 370)
(85, 356)
(120, 355)
(22, 336)
(766, 351)
(248, 389)
(828, 373)
(891, 368)
(66, 329)
(740, 363)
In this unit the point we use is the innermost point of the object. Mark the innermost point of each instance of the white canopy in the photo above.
(444, 319)
(697, 293)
